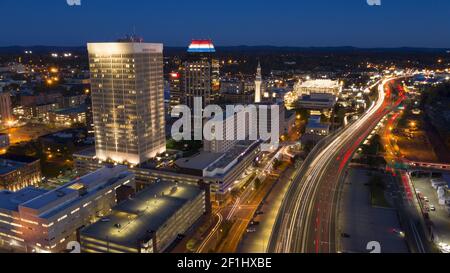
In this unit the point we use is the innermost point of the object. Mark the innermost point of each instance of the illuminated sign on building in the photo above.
(201, 46)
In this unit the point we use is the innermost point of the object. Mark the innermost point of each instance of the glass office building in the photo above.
(127, 100)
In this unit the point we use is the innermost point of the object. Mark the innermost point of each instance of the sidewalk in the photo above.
(257, 242)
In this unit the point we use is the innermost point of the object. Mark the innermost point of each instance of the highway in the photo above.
(306, 222)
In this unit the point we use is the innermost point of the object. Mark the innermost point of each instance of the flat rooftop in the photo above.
(320, 83)
(315, 122)
(239, 150)
(200, 161)
(19, 158)
(53, 202)
(212, 161)
(7, 166)
(11, 200)
(73, 110)
(147, 211)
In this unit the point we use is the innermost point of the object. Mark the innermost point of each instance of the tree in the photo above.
(276, 164)
(257, 183)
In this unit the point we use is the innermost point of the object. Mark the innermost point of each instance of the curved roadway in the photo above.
(306, 222)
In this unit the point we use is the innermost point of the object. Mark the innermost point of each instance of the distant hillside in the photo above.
(238, 49)
(40, 49)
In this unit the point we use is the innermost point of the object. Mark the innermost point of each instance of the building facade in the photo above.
(18, 173)
(317, 94)
(227, 128)
(68, 117)
(176, 95)
(148, 223)
(37, 220)
(201, 73)
(233, 98)
(127, 100)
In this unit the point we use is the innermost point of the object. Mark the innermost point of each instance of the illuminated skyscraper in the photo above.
(127, 100)
(201, 73)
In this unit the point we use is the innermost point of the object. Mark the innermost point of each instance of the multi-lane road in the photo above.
(306, 222)
(243, 209)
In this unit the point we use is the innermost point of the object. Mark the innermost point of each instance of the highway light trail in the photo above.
(211, 234)
(307, 219)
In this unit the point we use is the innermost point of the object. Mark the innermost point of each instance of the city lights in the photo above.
(247, 130)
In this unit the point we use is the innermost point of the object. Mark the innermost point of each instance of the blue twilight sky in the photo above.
(417, 23)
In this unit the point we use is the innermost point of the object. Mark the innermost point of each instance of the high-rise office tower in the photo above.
(258, 83)
(201, 73)
(127, 100)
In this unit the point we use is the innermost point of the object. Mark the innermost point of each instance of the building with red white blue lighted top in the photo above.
(201, 73)
(201, 46)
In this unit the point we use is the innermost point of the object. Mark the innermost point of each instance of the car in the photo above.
(260, 212)
(254, 223)
(345, 235)
(105, 220)
(432, 208)
(426, 199)
(398, 232)
(251, 230)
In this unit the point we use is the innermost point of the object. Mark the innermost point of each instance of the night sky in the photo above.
(415, 23)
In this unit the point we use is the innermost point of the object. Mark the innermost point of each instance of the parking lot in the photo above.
(28, 132)
(440, 218)
(362, 223)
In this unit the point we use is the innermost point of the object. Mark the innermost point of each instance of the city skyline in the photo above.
(305, 23)
(240, 129)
